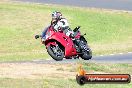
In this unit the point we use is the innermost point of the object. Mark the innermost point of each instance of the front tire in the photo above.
(55, 52)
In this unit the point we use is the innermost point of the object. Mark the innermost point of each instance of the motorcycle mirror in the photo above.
(37, 36)
(78, 27)
(85, 34)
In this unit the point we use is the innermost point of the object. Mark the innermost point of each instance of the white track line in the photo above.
(129, 52)
(112, 54)
(116, 54)
(120, 53)
(101, 55)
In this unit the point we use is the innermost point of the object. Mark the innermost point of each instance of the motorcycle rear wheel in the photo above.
(86, 55)
(55, 52)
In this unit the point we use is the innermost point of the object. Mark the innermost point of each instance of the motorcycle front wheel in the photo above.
(55, 52)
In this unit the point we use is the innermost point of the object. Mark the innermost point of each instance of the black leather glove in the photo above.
(72, 35)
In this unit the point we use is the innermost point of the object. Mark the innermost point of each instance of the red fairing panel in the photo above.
(66, 42)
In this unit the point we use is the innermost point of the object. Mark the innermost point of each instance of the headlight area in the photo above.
(43, 39)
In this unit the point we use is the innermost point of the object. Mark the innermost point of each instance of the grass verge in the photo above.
(30, 75)
(53, 83)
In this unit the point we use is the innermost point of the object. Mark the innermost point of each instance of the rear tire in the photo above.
(53, 54)
(86, 55)
(86, 52)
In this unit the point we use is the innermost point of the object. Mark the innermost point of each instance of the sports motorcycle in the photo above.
(60, 46)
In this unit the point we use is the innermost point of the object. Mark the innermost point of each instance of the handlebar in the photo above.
(76, 29)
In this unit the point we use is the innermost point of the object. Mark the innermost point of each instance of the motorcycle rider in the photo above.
(61, 23)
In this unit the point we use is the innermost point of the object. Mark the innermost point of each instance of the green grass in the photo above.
(107, 31)
(53, 83)
(109, 68)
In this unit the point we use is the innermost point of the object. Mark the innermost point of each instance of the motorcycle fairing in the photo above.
(64, 40)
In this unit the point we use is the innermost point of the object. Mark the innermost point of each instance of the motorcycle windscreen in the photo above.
(44, 32)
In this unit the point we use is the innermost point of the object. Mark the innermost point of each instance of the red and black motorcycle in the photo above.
(60, 46)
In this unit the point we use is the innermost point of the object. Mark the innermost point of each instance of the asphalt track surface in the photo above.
(105, 4)
(117, 58)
